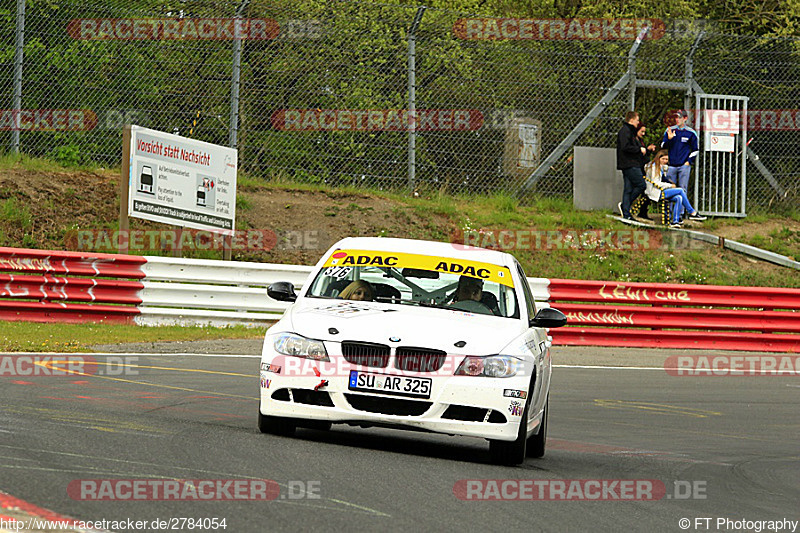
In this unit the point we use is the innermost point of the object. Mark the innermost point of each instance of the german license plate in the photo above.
(394, 385)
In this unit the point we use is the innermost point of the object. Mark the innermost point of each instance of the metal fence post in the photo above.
(632, 77)
(18, 57)
(689, 74)
(412, 98)
(233, 134)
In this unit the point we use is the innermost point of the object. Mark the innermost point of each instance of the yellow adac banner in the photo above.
(462, 267)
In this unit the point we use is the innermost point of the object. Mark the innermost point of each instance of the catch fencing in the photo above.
(382, 96)
(49, 286)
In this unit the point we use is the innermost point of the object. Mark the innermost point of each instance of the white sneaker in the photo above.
(698, 217)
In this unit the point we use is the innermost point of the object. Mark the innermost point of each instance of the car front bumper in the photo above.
(477, 402)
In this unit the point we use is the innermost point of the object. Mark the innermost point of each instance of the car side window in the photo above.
(526, 290)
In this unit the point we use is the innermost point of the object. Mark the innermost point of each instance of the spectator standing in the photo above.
(641, 130)
(629, 154)
(682, 144)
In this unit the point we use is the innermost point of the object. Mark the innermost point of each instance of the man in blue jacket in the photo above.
(682, 143)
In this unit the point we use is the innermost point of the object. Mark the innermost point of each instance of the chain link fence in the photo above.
(382, 96)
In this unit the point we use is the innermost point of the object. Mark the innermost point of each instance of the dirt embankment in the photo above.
(46, 209)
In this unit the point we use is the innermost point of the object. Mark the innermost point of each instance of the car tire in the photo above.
(537, 443)
(512, 453)
(275, 425)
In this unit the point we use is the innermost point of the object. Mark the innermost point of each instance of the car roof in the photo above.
(432, 248)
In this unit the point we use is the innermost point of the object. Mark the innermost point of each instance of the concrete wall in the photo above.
(596, 183)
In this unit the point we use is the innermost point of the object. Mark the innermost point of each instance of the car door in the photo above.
(537, 339)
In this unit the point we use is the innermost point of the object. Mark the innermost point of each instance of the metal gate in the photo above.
(721, 166)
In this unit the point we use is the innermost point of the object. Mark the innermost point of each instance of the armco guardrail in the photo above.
(661, 315)
(50, 286)
(42, 285)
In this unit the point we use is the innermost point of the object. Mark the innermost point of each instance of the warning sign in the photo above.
(182, 181)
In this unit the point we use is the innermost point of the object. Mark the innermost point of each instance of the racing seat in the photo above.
(386, 293)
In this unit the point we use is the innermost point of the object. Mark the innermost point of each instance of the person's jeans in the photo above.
(679, 176)
(634, 187)
(680, 201)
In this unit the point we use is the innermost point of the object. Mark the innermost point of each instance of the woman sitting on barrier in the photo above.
(657, 189)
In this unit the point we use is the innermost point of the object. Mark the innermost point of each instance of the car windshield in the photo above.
(419, 280)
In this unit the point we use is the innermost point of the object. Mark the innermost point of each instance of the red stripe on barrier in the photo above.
(78, 289)
(680, 318)
(673, 294)
(704, 340)
(66, 313)
(74, 263)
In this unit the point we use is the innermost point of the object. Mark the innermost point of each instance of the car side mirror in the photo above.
(548, 318)
(283, 291)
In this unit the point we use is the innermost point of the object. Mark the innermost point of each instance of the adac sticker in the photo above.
(513, 393)
(462, 267)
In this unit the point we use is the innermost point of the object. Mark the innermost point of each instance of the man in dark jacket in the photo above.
(629, 154)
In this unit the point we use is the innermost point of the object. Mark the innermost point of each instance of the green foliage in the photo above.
(68, 155)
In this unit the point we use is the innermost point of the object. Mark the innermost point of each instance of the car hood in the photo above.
(414, 326)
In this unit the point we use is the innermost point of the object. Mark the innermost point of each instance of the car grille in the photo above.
(419, 359)
(473, 414)
(465, 413)
(312, 397)
(387, 406)
(304, 396)
(366, 354)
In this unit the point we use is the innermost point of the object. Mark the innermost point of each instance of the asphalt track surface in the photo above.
(733, 439)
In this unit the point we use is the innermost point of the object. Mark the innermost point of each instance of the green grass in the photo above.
(14, 213)
(40, 164)
(784, 241)
(47, 337)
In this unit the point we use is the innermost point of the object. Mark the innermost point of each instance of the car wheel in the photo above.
(512, 453)
(536, 444)
(275, 425)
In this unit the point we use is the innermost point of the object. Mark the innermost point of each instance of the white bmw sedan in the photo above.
(412, 335)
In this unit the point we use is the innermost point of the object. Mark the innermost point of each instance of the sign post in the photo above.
(124, 223)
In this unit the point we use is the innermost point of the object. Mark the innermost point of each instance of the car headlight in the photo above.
(298, 346)
(493, 366)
